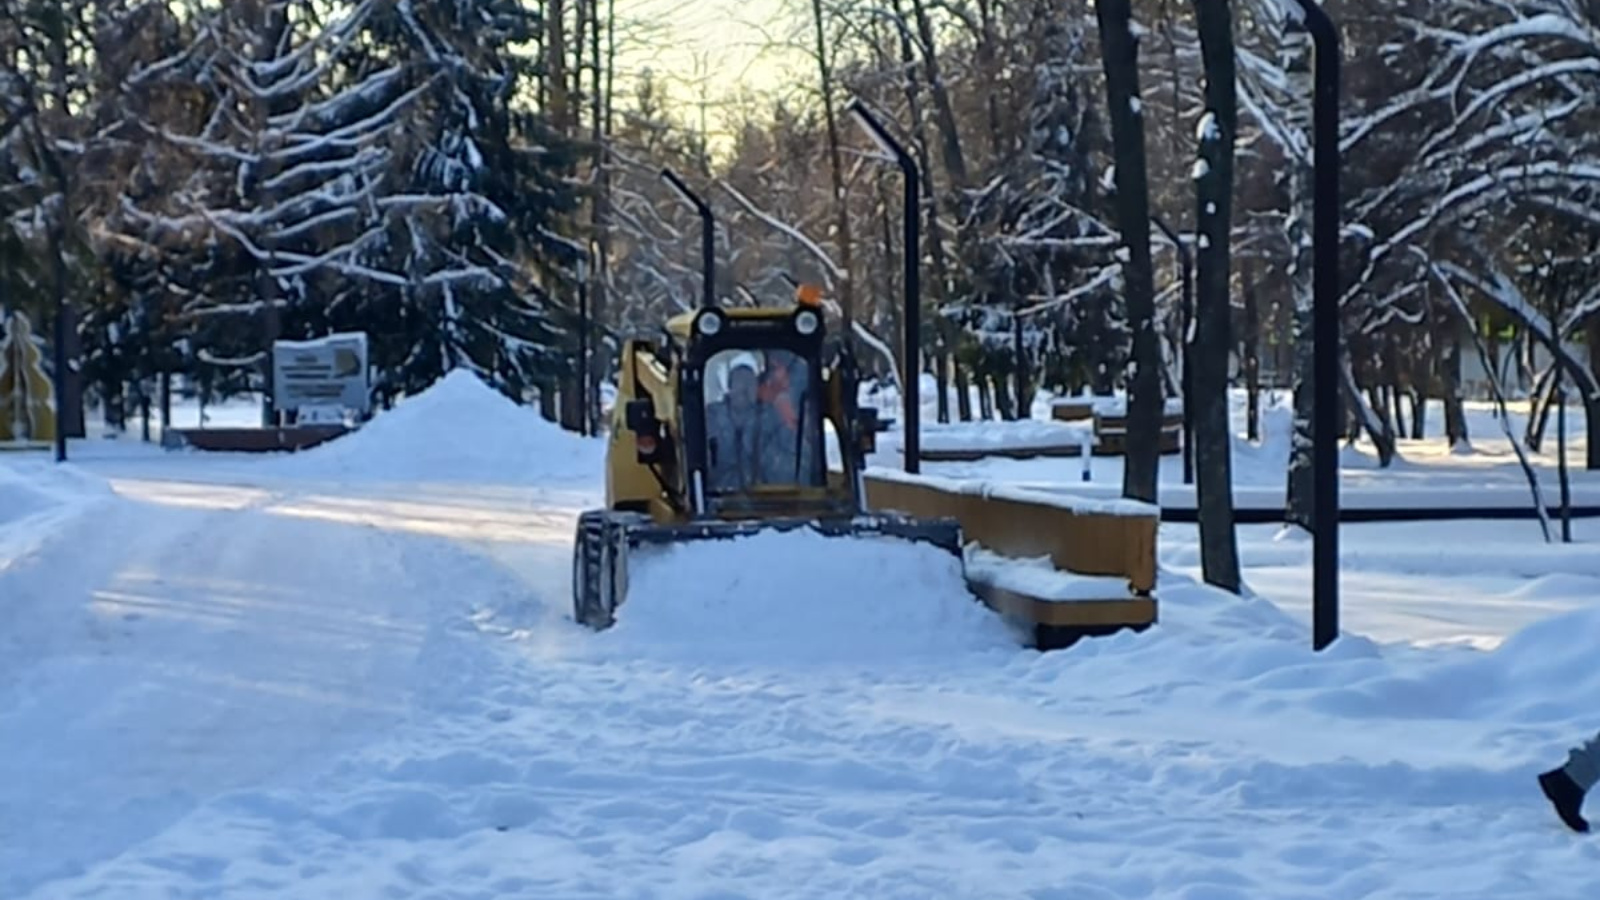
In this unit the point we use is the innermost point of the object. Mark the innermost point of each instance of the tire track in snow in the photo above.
(198, 641)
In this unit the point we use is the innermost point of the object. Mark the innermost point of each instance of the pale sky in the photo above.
(722, 44)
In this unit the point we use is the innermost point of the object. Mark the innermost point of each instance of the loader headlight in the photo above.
(806, 322)
(709, 323)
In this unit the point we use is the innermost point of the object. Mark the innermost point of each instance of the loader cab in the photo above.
(729, 419)
(754, 398)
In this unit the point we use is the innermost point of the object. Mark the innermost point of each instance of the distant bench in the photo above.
(1111, 434)
(1026, 439)
(1110, 418)
(251, 440)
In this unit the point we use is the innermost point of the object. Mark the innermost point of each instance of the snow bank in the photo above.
(459, 429)
(36, 499)
(1541, 674)
(20, 497)
(801, 595)
(28, 487)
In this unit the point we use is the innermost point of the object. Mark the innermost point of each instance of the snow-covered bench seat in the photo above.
(1065, 567)
(1022, 439)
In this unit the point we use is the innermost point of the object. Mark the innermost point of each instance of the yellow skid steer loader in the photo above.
(720, 430)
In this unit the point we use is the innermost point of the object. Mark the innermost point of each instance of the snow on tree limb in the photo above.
(793, 233)
(1503, 291)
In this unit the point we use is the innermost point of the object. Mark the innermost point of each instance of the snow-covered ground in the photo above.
(351, 673)
(1428, 473)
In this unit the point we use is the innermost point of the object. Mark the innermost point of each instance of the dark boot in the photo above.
(1565, 795)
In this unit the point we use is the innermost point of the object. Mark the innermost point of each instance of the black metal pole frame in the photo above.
(1325, 327)
(1186, 263)
(911, 379)
(708, 231)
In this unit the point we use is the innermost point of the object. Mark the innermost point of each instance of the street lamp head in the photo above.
(681, 189)
(874, 129)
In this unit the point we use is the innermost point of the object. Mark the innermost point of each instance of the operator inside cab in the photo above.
(755, 431)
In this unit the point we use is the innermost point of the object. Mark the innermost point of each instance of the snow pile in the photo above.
(20, 496)
(37, 499)
(802, 595)
(28, 487)
(1544, 672)
(459, 429)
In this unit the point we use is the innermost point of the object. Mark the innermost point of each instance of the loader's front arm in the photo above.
(644, 457)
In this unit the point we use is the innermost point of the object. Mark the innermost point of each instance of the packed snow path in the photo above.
(289, 688)
(337, 676)
(182, 639)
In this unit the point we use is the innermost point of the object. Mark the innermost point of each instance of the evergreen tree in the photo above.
(486, 270)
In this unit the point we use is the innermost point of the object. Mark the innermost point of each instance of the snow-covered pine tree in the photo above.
(128, 335)
(1063, 227)
(488, 276)
(283, 201)
(44, 69)
(1044, 246)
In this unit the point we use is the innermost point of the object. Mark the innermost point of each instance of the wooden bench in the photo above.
(1064, 450)
(1101, 554)
(251, 440)
(1111, 434)
(1072, 410)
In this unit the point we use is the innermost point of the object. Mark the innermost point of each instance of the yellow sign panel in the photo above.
(27, 398)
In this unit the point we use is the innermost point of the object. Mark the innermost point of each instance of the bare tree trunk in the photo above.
(987, 69)
(1561, 456)
(1219, 552)
(1002, 396)
(1252, 355)
(933, 235)
(1544, 393)
(1120, 59)
(600, 135)
(1590, 405)
(1363, 417)
(941, 367)
(1295, 56)
(955, 162)
(847, 303)
(963, 389)
(556, 64)
(166, 400)
(1455, 415)
(1023, 381)
(1393, 383)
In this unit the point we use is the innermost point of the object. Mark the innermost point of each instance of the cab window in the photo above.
(761, 421)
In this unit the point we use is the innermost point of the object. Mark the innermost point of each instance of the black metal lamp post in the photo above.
(910, 380)
(708, 230)
(1325, 326)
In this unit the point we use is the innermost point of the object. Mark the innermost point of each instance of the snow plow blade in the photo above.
(605, 539)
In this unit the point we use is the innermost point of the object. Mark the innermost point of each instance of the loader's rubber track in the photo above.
(592, 604)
